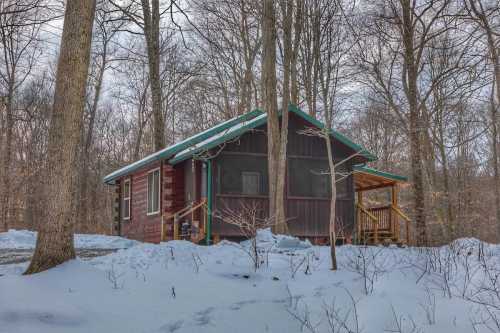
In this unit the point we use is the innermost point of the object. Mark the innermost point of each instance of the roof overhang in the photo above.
(248, 125)
(366, 179)
(170, 151)
(228, 130)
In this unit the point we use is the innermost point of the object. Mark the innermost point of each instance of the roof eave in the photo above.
(222, 139)
(384, 174)
(169, 152)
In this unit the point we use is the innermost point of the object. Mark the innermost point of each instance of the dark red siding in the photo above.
(142, 226)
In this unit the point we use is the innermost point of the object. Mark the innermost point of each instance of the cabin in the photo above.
(176, 193)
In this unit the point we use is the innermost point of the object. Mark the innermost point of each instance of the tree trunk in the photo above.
(416, 125)
(83, 203)
(152, 33)
(333, 201)
(270, 97)
(287, 10)
(294, 90)
(7, 159)
(55, 237)
(494, 149)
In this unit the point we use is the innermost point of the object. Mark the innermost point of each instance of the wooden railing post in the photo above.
(161, 229)
(176, 227)
(407, 233)
(358, 223)
(359, 216)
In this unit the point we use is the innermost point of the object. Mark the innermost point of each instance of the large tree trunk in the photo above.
(55, 237)
(416, 124)
(270, 97)
(152, 33)
(287, 10)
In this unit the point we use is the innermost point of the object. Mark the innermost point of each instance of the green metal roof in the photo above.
(175, 148)
(388, 175)
(243, 127)
(221, 133)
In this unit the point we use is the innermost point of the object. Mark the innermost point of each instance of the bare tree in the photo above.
(146, 16)
(269, 95)
(486, 18)
(55, 237)
(20, 23)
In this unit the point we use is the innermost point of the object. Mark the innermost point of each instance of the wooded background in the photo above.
(415, 82)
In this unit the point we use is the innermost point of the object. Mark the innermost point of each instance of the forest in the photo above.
(404, 94)
(415, 82)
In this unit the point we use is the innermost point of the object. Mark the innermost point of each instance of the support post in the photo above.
(161, 229)
(394, 218)
(176, 227)
(209, 202)
(358, 217)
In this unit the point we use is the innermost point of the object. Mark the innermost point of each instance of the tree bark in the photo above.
(294, 89)
(494, 149)
(270, 97)
(7, 158)
(152, 33)
(55, 237)
(416, 125)
(287, 10)
(333, 201)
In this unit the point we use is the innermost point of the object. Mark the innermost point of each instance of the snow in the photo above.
(25, 239)
(181, 287)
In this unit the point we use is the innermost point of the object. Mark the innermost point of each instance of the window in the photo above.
(250, 182)
(153, 192)
(242, 175)
(310, 178)
(126, 199)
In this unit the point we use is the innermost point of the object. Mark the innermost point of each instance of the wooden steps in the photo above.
(381, 225)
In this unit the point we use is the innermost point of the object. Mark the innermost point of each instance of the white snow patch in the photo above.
(25, 239)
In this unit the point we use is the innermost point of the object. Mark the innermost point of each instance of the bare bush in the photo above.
(248, 220)
(398, 325)
(115, 278)
(368, 263)
(429, 307)
(339, 319)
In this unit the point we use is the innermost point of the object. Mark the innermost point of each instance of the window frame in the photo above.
(148, 213)
(259, 181)
(124, 198)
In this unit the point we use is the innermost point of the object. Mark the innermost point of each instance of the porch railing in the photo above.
(380, 223)
(196, 227)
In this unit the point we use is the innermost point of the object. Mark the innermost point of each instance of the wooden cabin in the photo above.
(176, 192)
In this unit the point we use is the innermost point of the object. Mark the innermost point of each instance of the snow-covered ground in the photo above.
(181, 287)
(24, 239)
